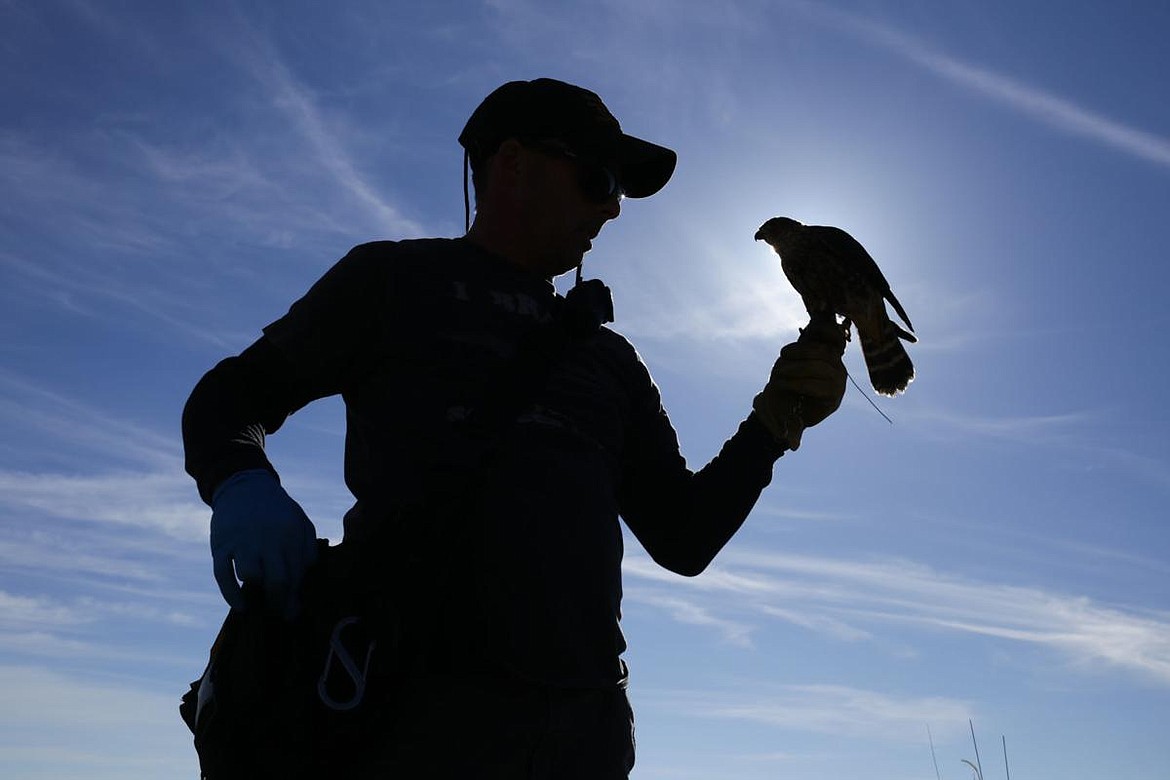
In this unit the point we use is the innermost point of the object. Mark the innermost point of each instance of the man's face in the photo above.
(562, 222)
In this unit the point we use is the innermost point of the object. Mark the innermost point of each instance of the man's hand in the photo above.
(259, 534)
(807, 381)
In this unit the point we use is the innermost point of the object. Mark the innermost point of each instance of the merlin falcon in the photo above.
(832, 272)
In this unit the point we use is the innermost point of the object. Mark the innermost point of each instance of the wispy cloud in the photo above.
(108, 500)
(90, 703)
(1083, 432)
(854, 600)
(824, 709)
(22, 612)
(687, 611)
(800, 515)
(56, 191)
(82, 290)
(147, 501)
(103, 630)
(1023, 429)
(79, 556)
(43, 613)
(297, 103)
(1044, 107)
(821, 624)
(69, 727)
(64, 422)
(105, 249)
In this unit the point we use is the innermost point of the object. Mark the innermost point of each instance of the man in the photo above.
(495, 434)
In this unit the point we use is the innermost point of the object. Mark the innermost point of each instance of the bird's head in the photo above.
(776, 229)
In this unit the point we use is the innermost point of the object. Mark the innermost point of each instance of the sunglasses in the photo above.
(598, 182)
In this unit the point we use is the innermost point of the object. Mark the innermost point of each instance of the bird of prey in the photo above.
(832, 272)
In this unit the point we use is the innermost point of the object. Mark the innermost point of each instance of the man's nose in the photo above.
(612, 207)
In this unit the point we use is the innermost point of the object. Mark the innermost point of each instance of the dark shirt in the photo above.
(415, 335)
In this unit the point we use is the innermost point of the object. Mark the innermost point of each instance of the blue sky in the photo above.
(173, 175)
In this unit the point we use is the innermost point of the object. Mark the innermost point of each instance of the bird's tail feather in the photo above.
(890, 369)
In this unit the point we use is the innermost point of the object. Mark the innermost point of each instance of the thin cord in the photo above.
(866, 397)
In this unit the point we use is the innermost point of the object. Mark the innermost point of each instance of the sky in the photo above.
(174, 175)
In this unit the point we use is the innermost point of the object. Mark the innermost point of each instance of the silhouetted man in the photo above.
(495, 434)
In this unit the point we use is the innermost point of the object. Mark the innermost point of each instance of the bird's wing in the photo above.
(846, 246)
(889, 296)
(851, 251)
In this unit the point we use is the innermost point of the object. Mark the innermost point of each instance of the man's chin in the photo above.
(566, 262)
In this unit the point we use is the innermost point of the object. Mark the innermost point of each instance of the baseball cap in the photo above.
(554, 110)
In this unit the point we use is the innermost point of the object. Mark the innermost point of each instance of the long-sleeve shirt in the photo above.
(414, 335)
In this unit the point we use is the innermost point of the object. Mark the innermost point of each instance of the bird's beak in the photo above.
(759, 235)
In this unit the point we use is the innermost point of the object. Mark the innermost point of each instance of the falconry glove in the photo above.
(260, 534)
(807, 381)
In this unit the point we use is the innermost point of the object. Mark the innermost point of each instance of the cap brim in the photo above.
(645, 167)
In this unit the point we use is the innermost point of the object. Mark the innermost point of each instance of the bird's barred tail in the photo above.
(890, 369)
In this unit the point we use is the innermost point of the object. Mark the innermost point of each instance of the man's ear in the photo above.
(508, 162)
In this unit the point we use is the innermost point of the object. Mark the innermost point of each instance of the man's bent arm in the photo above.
(684, 518)
(232, 408)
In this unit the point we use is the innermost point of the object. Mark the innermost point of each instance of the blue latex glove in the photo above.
(259, 534)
